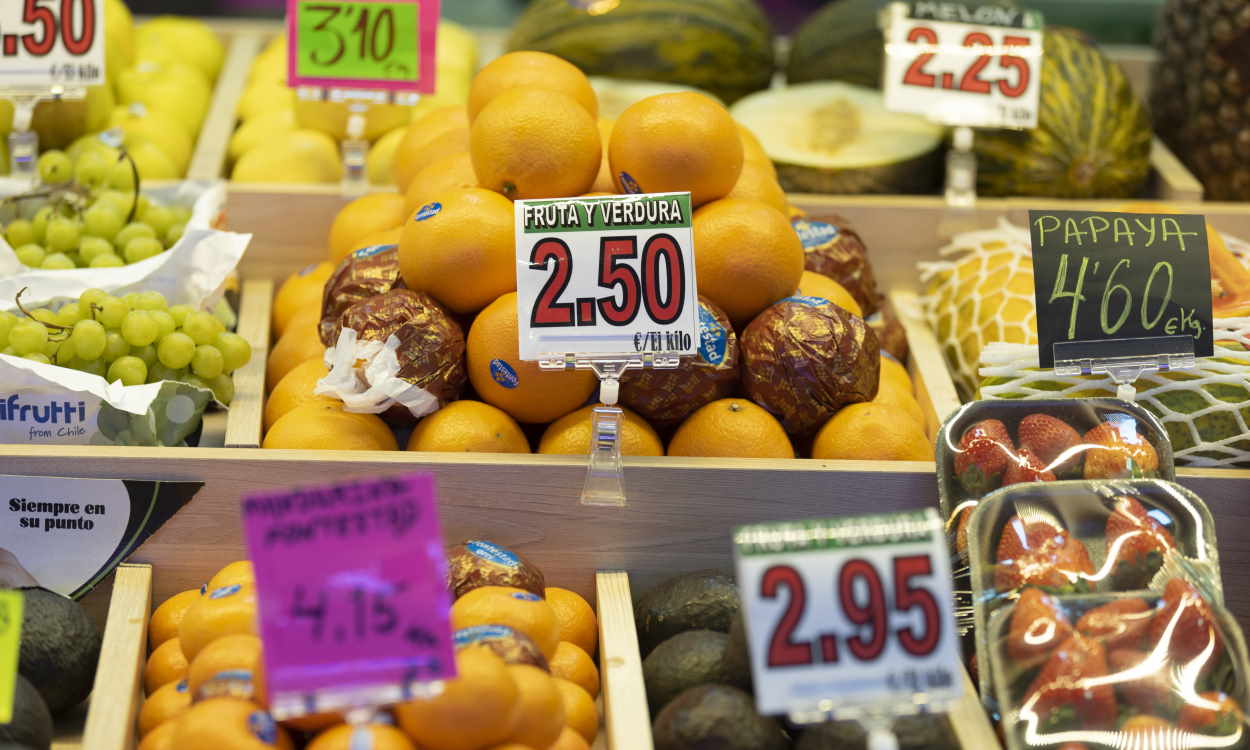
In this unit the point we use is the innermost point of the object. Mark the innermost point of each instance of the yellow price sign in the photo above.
(10, 646)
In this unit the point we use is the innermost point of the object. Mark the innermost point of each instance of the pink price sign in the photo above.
(362, 44)
(352, 593)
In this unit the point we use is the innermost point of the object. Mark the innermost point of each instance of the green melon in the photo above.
(1092, 138)
(721, 46)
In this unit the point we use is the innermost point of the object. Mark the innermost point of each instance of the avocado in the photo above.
(695, 657)
(921, 732)
(737, 657)
(703, 600)
(60, 648)
(715, 717)
(31, 726)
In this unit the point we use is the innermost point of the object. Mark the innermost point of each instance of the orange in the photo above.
(530, 70)
(753, 150)
(371, 736)
(300, 291)
(570, 740)
(575, 618)
(747, 256)
(872, 432)
(579, 709)
(570, 435)
(433, 135)
(296, 388)
(165, 618)
(469, 426)
(228, 724)
(459, 248)
(892, 371)
(674, 142)
(166, 664)
(539, 710)
(385, 237)
(758, 182)
(532, 143)
(890, 394)
(575, 665)
(239, 571)
(603, 180)
(228, 610)
(167, 702)
(476, 709)
(523, 389)
(504, 605)
(327, 427)
(732, 428)
(812, 284)
(230, 665)
(451, 172)
(362, 217)
(313, 722)
(160, 738)
(300, 343)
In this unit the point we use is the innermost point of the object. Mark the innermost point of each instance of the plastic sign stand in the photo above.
(630, 300)
(850, 618)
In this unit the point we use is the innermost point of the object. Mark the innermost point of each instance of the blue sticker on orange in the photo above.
(502, 373)
(807, 301)
(225, 591)
(493, 553)
(713, 338)
(629, 184)
(813, 234)
(526, 596)
(427, 211)
(181, 687)
(362, 739)
(477, 633)
(263, 727)
(365, 252)
(308, 269)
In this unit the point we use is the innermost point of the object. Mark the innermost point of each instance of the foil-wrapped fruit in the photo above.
(508, 644)
(366, 273)
(832, 248)
(475, 563)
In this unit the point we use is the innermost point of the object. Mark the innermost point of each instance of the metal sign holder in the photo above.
(354, 146)
(24, 142)
(1125, 360)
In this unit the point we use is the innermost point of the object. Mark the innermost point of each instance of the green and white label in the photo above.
(10, 648)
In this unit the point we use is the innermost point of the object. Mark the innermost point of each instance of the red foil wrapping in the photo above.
(665, 397)
(366, 273)
(832, 248)
(805, 358)
(431, 344)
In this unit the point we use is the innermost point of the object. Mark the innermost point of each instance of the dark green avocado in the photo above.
(737, 657)
(703, 600)
(60, 648)
(715, 717)
(695, 657)
(923, 732)
(31, 727)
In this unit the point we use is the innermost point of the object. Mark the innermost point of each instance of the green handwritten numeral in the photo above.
(1077, 296)
(1162, 265)
(1110, 329)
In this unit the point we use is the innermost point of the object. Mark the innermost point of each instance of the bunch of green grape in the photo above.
(102, 222)
(136, 338)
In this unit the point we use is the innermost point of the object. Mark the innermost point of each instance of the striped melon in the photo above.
(1092, 138)
(721, 46)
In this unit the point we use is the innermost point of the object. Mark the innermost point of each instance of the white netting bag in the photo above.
(980, 304)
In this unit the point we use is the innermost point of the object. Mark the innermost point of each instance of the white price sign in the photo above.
(46, 43)
(976, 66)
(606, 275)
(854, 613)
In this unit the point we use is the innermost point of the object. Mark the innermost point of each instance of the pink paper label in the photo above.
(352, 590)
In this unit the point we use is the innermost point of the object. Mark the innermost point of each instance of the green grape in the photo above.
(93, 247)
(116, 200)
(54, 167)
(103, 220)
(202, 327)
(92, 169)
(160, 218)
(152, 301)
(107, 260)
(49, 349)
(132, 230)
(39, 224)
(182, 214)
(180, 313)
(94, 366)
(44, 315)
(62, 235)
(91, 297)
(176, 350)
(195, 380)
(159, 372)
(207, 362)
(174, 234)
(65, 353)
(164, 323)
(130, 370)
(7, 321)
(39, 357)
(19, 232)
(76, 259)
(30, 256)
(115, 346)
(235, 350)
(131, 299)
(141, 204)
(112, 312)
(57, 262)
(223, 388)
(139, 329)
(28, 336)
(69, 314)
(121, 176)
(145, 353)
(89, 339)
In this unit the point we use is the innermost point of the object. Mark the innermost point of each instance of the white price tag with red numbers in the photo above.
(964, 65)
(46, 43)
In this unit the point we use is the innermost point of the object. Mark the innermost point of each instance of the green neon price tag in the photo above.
(10, 643)
(372, 44)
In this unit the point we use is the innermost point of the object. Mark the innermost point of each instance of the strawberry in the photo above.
(1118, 624)
(1146, 690)
(984, 451)
(1049, 439)
(1041, 554)
(963, 515)
(1186, 622)
(1148, 731)
(1136, 542)
(1037, 627)
(1064, 682)
(1026, 468)
(1212, 714)
(1118, 450)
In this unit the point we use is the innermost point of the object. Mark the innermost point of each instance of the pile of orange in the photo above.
(531, 130)
(205, 679)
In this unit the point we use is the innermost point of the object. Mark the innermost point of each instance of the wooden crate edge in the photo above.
(117, 692)
(628, 720)
(931, 379)
(245, 418)
(212, 147)
(1174, 180)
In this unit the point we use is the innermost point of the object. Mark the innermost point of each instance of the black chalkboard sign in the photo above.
(1120, 277)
